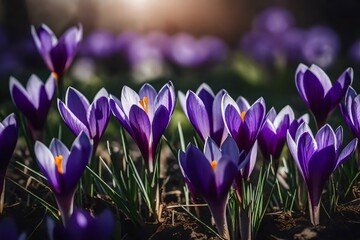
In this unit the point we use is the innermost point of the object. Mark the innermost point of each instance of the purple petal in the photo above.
(254, 119)
(50, 87)
(325, 137)
(231, 115)
(160, 123)
(299, 81)
(322, 77)
(197, 115)
(128, 98)
(211, 150)
(21, 98)
(306, 149)
(80, 154)
(230, 148)
(219, 132)
(98, 118)
(182, 102)
(75, 125)
(346, 152)
(205, 93)
(77, 103)
(59, 58)
(166, 97)
(148, 91)
(243, 104)
(57, 148)
(224, 176)
(117, 110)
(47, 165)
(338, 91)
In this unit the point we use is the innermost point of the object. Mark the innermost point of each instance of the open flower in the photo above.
(34, 101)
(79, 115)
(317, 92)
(203, 109)
(272, 136)
(145, 116)
(317, 158)
(83, 226)
(8, 139)
(63, 168)
(211, 174)
(57, 53)
(243, 121)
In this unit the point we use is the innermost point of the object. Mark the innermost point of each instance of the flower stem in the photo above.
(218, 211)
(314, 211)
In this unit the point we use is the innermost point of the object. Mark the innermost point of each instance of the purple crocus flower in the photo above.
(316, 90)
(203, 109)
(83, 226)
(34, 102)
(8, 138)
(317, 158)
(274, 20)
(272, 136)
(243, 121)
(63, 169)
(320, 46)
(350, 112)
(57, 53)
(145, 116)
(79, 115)
(211, 174)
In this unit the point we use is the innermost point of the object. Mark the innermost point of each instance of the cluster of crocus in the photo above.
(274, 38)
(317, 157)
(63, 169)
(79, 115)
(316, 90)
(57, 53)
(203, 109)
(83, 226)
(211, 174)
(34, 102)
(145, 116)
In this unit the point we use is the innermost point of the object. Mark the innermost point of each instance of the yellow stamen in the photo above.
(55, 75)
(242, 115)
(58, 163)
(213, 165)
(145, 104)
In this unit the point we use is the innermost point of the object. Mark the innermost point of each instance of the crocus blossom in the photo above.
(8, 138)
(203, 109)
(79, 115)
(34, 102)
(145, 116)
(57, 53)
(350, 112)
(272, 136)
(211, 174)
(317, 157)
(83, 226)
(63, 168)
(316, 90)
(243, 121)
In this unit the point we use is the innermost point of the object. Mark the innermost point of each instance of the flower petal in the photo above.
(75, 125)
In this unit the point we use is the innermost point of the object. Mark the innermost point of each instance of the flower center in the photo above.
(144, 103)
(55, 75)
(213, 165)
(58, 163)
(242, 115)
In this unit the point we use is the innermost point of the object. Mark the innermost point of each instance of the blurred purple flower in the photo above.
(187, 51)
(297, 122)
(63, 169)
(272, 136)
(354, 51)
(79, 115)
(99, 44)
(321, 46)
(316, 90)
(274, 20)
(317, 158)
(211, 174)
(83, 226)
(145, 116)
(9, 230)
(57, 53)
(203, 109)
(292, 42)
(34, 102)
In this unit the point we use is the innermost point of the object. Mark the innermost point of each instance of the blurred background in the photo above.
(250, 48)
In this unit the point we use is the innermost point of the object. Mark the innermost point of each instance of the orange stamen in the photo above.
(145, 104)
(242, 115)
(55, 75)
(58, 163)
(213, 165)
